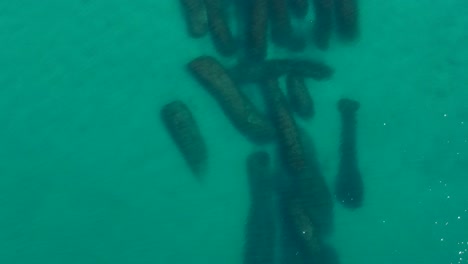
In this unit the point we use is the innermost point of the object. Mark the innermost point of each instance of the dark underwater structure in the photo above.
(291, 212)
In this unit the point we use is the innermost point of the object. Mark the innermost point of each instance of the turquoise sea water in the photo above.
(88, 174)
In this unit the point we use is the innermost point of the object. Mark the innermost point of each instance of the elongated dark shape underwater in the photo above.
(314, 191)
(290, 246)
(349, 187)
(300, 240)
(310, 69)
(289, 142)
(299, 96)
(195, 17)
(247, 72)
(237, 107)
(281, 28)
(256, 30)
(185, 132)
(323, 23)
(308, 187)
(221, 34)
(298, 236)
(260, 230)
(347, 19)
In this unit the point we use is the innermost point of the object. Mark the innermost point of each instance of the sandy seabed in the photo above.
(88, 174)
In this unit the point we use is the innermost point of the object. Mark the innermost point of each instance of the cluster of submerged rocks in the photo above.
(290, 200)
